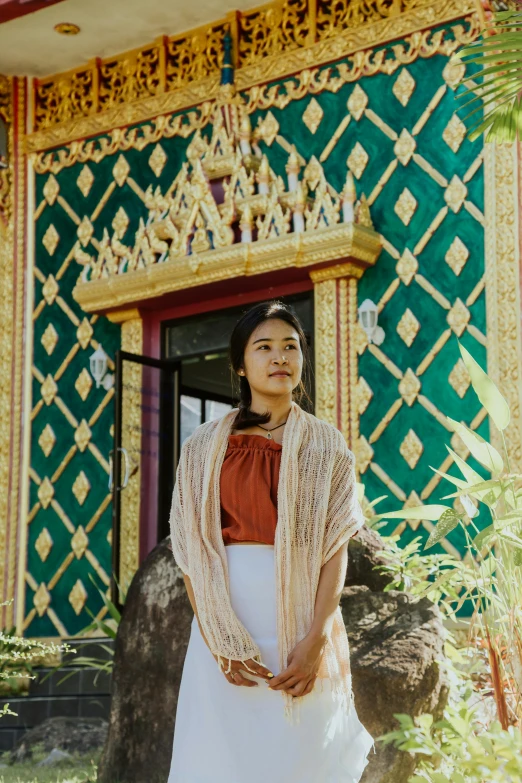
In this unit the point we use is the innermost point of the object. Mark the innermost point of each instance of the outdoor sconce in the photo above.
(368, 314)
(99, 363)
(3, 143)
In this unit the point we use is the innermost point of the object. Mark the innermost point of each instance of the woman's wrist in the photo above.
(318, 635)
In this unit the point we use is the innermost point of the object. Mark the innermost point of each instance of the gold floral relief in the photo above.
(65, 97)
(272, 29)
(130, 77)
(352, 13)
(195, 56)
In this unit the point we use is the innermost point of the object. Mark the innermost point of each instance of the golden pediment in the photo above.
(226, 214)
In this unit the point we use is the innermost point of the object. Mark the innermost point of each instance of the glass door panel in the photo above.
(146, 445)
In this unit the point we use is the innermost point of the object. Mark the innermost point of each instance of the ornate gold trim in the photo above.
(131, 341)
(90, 112)
(122, 316)
(503, 305)
(292, 250)
(325, 342)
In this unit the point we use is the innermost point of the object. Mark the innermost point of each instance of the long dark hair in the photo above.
(247, 324)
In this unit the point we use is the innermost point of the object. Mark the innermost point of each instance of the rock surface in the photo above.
(55, 757)
(71, 735)
(394, 648)
(148, 662)
(394, 645)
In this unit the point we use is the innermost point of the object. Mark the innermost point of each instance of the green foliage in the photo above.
(108, 628)
(468, 745)
(496, 105)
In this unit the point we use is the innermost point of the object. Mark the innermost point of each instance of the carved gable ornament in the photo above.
(227, 214)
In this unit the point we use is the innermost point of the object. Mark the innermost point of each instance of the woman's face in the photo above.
(273, 360)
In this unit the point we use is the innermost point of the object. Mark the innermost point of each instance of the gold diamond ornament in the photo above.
(405, 206)
(312, 115)
(363, 395)
(43, 544)
(453, 73)
(79, 542)
(459, 378)
(45, 493)
(411, 448)
(363, 453)
(84, 333)
(41, 600)
(357, 102)
(408, 327)
(85, 180)
(455, 194)
(82, 435)
(47, 439)
(157, 160)
(412, 502)
(81, 487)
(51, 190)
(120, 223)
(49, 339)
(403, 87)
(454, 133)
(83, 384)
(50, 240)
(457, 255)
(50, 289)
(409, 387)
(458, 317)
(357, 160)
(404, 147)
(268, 129)
(121, 171)
(78, 596)
(49, 390)
(85, 231)
(407, 267)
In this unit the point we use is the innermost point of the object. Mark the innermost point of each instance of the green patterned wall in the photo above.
(425, 184)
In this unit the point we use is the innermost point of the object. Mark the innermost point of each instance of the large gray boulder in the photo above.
(70, 735)
(148, 662)
(394, 647)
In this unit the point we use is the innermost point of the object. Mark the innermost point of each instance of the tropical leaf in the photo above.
(497, 100)
(483, 451)
(431, 512)
(486, 391)
(447, 522)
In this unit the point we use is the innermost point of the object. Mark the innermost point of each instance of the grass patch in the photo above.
(75, 770)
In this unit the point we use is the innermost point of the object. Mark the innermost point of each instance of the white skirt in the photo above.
(230, 734)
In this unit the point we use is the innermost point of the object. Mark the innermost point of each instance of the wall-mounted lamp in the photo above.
(99, 363)
(368, 314)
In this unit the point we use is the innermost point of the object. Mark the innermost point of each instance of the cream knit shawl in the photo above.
(318, 511)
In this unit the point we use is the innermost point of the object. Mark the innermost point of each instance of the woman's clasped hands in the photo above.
(298, 679)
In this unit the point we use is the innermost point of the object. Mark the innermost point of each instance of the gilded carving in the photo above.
(47, 439)
(189, 238)
(325, 309)
(132, 342)
(43, 544)
(408, 327)
(411, 448)
(503, 304)
(273, 42)
(457, 255)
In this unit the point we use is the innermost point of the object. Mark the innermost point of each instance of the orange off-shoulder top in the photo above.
(248, 487)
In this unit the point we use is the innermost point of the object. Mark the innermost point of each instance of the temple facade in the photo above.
(304, 150)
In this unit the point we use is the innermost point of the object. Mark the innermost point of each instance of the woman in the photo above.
(263, 507)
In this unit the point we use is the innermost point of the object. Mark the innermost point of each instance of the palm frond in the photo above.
(498, 95)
